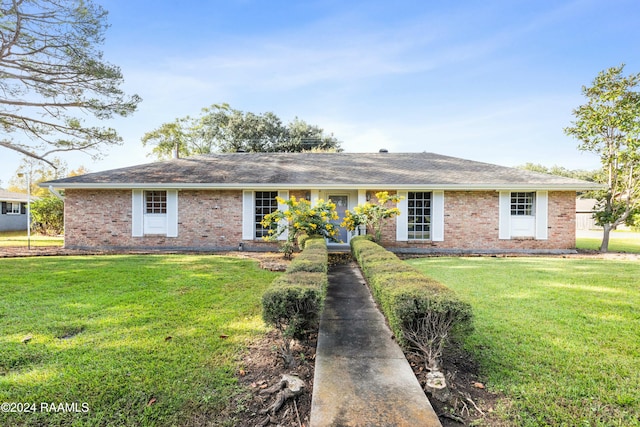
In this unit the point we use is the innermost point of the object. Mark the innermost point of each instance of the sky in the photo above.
(492, 81)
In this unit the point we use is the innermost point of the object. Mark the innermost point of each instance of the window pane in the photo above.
(522, 203)
(156, 202)
(419, 215)
(265, 203)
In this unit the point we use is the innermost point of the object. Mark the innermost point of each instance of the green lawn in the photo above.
(559, 337)
(19, 238)
(141, 340)
(618, 242)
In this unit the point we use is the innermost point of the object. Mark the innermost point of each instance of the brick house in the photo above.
(216, 202)
(13, 216)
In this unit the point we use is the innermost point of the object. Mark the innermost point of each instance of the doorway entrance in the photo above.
(342, 204)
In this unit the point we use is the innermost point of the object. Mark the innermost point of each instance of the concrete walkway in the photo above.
(361, 375)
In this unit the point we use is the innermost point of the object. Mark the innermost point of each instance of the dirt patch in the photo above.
(471, 402)
(262, 368)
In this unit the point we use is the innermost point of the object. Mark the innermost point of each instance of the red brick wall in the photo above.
(471, 222)
(207, 219)
(212, 219)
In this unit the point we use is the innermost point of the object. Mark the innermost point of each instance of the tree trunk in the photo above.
(604, 247)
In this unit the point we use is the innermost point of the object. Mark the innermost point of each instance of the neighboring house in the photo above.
(585, 209)
(216, 202)
(14, 211)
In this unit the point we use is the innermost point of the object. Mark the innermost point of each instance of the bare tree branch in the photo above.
(52, 74)
(26, 153)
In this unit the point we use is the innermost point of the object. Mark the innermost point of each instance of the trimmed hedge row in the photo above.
(294, 301)
(422, 313)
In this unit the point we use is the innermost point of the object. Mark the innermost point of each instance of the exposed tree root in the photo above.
(287, 388)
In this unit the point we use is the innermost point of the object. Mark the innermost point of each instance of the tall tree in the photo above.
(169, 140)
(39, 172)
(608, 124)
(221, 128)
(586, 175)
(52, 75)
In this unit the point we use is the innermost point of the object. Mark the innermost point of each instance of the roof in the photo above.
(322, 171)
(9, 196)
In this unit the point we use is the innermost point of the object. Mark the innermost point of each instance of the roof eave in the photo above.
(378, 186)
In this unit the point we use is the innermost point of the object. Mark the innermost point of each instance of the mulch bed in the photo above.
(262, 368)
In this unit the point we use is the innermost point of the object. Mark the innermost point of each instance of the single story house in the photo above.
(14, 211)
(216, 202)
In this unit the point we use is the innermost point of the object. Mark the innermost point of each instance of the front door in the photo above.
(342, 203)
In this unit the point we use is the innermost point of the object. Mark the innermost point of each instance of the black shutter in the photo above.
(23, 208)
(4, 208)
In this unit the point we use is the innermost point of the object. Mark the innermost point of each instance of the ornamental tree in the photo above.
(372, 215)
(302, 218)
(608, 124)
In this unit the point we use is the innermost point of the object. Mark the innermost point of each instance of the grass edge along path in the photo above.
(141, 340)
(560, 337)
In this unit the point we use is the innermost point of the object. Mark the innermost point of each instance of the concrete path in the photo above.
(361, 375)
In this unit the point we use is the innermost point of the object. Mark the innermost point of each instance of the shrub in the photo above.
(294, 301)
(292, 308)
(422, 313)
(302, 239)
(313, 258)
(47, 215)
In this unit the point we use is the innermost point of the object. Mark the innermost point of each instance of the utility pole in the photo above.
(28, 177)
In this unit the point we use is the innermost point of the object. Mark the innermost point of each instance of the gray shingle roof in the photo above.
(321, 170)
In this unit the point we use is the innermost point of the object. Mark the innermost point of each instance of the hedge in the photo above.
(422, 313)
(294, 301)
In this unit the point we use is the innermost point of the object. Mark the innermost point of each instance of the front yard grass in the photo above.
(618, 242)
(19, 239)
(140, 340)
(560, 338)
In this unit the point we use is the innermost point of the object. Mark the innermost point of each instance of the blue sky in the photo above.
(494, 81)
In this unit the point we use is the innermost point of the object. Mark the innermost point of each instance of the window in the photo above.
(265, 203)
(156, 202)
(419, 215)
(13, 208)
(154, 212)
(522, 204)
(523, 215)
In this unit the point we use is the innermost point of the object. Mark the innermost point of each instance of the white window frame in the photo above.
(249, 213)
(515, 223)
(426, 197)
(523, 203)
(11, 208)
(163, 223)
(260, 211)
(437, 216)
